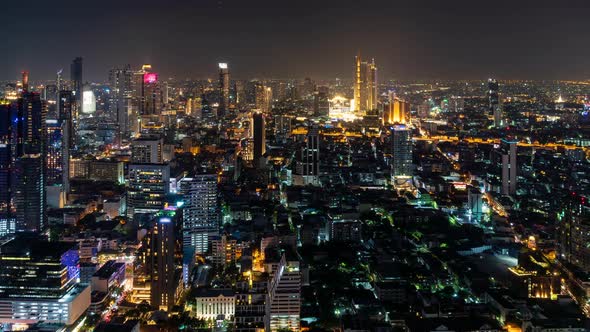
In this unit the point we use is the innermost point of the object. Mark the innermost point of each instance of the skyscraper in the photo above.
(365, 85)
(77, 84)
(161, 267)
(30, 162)
(201, 213)
(54, 152)
(509, 166)
(402, 151)
(259, 137)
(494, 102)
(120, 80)
(7, 211)
(223, 89)
(65, 109)
(308, 158)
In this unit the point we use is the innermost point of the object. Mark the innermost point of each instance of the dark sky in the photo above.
(297, 38)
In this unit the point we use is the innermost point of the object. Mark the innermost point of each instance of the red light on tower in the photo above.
(150, 78)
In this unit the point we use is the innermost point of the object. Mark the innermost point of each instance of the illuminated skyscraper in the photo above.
(308, 158)
(7, 211)
(65, 109)
(77, 84)
(120, 80)
(54, 152)
(223, 89)
(494, 102)
(365, 85)
(201, 213)
(509, 166)
(263, 97)
(321, 102)
(160, 265)
(401, 150)
(259, 137)
(30, 167)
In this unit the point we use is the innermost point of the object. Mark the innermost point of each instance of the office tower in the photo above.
(38, 282)
(160, 266)
(259, 137)
(358, 83)
(120, 98)
(263, 97)
(7, 209)
(148, 185)
(201, 213)
(147, 150)
(402, 151)
(321, 102)
(77, 85)
(151, 94)
(223, 90)
(494, 102)
(365, 85)
(30, 162)
(509, 166)
(283, 300)
(54, 152)
(308, 161)
(372, 86)
(65, 109)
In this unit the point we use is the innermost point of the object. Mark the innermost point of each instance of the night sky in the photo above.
(284, 38)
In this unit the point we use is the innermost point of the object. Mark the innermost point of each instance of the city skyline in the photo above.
(261, 39)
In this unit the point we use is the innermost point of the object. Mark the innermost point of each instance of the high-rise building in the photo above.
(65, 109)
(77, 84)
(147, 150)
(401, 150)
(201, 213)
(397, 111)
(39, 282)
(7, 208)
(321, 102)
(161, 266)
(365, 85)
(283, 300)
(223, 90)
(120, 80)
(30, 149)
(151, 94)
(494, 102)
(148, 185)
(308, 159)
(262, 97)
(259, 137)
(54, 152)
(509, 166)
